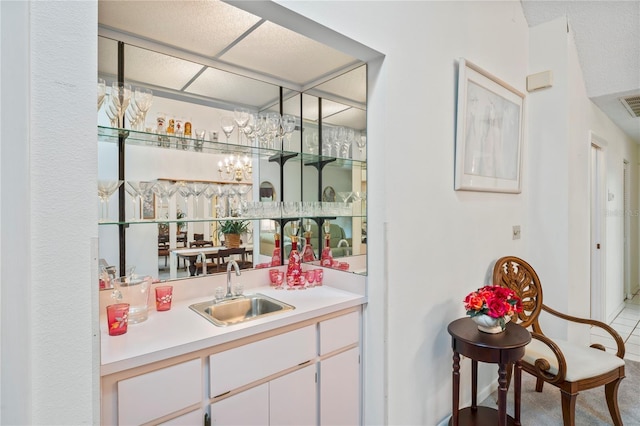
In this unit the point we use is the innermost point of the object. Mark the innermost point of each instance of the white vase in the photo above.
(489, 324)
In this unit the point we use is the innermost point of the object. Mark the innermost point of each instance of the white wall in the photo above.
(50, 328)
(428, 245)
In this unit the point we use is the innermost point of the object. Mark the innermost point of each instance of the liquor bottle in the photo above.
(326, 259)
(294, 268)
(275, 257)
(307, 254)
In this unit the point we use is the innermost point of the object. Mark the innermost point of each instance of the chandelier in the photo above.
(235, 168)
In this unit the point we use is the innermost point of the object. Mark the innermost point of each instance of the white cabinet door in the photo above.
(293, 398)
(339, 332)
(248, 408)
(340, 389)
(158, 393)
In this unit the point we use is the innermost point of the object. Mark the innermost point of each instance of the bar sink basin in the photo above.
(239, 309)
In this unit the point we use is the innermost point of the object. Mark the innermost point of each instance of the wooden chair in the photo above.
(570, 367)
(221, 262)
(200, 243)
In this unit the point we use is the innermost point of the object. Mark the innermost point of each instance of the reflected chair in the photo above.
(200, 243)
(570, 367)
(223, 254)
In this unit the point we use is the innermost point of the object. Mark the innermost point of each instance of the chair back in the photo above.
(517, 275)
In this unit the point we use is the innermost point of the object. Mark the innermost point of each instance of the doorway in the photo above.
(626, 186)
(598, 294)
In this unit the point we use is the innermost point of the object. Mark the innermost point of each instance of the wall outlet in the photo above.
(516, 232)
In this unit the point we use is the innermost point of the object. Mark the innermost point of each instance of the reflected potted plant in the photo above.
(231, 229)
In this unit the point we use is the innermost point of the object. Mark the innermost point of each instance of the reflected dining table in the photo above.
(193, 255)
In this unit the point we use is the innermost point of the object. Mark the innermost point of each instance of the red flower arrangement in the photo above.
(493, 300)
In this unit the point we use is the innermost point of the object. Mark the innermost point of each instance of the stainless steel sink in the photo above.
(239, 309)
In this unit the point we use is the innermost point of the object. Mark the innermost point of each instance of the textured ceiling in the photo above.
(607, 36)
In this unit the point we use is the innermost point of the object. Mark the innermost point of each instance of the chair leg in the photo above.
(611, 392)
(539, 383)
(568, 408)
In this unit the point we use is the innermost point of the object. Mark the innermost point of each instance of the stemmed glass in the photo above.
(273, 126)
(361, 141)
(339, 135)
(164, 189)
(241, 117)
(112, 114)
(311, 141)
(106, 188)
(102, 92)
(134, 115)
(143, 98)
(211, 190)
(141, 189)
(120, 96)
(349, 136)
(185, 190)
(288, 126)
(228, 125)
(197, 188)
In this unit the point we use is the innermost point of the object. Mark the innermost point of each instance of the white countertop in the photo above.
(180, 330)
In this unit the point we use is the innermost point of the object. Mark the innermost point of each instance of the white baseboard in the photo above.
(615, 313)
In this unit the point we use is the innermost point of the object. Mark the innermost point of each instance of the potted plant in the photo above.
(231, 229)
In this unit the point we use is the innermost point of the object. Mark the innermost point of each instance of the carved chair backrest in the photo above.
(516, 274)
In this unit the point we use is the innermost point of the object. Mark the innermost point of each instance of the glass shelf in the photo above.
(138, 138)
(183, 220)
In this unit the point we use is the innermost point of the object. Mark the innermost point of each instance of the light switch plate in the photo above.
(516, 232)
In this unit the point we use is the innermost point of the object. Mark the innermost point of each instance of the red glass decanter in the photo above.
(326, 259)
(294, 268)
(275, 257)
(307, 254)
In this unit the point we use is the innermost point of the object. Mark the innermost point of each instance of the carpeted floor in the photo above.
(543, 409)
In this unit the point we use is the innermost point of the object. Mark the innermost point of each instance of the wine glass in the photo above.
(133, 114)
(288, 126)
(120, 96)
(142, 190)
(106, 188)
(228, 124)
(311, 141)
(111, 112)
(241, 117)
(164, 189)
(102, 92)
(349, 137)
(143, 98)
(273, 125)
(196, 189)
(211, 190)
(339, 135)
(361, 141)
(185, 190)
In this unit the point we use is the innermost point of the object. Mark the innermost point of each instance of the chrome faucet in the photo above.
(237, 268)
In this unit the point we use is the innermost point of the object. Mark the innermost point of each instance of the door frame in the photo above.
(597, 203)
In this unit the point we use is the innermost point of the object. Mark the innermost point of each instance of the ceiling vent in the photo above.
(632, 104)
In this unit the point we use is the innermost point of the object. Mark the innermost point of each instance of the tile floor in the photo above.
(627, 324)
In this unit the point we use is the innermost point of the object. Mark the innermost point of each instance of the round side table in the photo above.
(503, 349)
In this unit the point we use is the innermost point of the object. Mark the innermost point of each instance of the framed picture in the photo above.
(149, 206)
(489, 132)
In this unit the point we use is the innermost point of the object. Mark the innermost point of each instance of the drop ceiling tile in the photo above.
(233, 88)
(352, 117)
(277, 51)
(158, 69)
(351, 85)
(205, 27)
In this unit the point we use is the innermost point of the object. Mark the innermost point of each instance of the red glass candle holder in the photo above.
(117, 318)
(319, 276)
(164, 295)
(273, 275)
(311, 277)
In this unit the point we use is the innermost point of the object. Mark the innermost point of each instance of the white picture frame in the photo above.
(489, 132)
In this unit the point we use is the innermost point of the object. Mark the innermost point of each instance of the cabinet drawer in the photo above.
(239, 366)
(336, 333)
(248, 408)
(158, 393)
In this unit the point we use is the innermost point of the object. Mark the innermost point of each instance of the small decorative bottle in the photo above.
(326, 259)
(275, 257)
(294, 269)
(307, 254)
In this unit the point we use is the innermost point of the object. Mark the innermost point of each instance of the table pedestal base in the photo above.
(483, 416)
